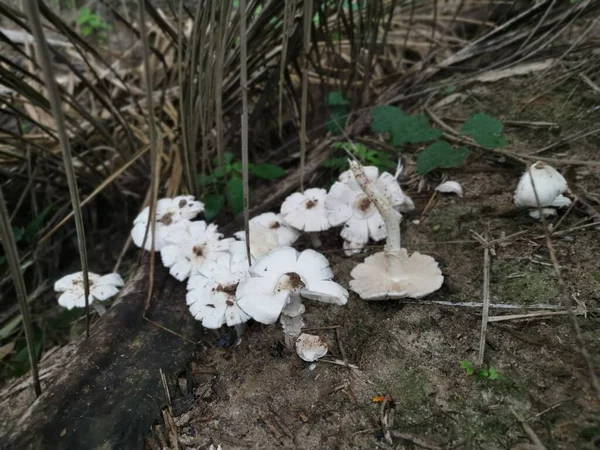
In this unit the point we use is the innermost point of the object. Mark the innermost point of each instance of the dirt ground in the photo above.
(260, 395)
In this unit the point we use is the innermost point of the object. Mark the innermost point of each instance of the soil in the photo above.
(258, 394)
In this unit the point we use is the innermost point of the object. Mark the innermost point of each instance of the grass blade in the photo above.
(244, 86)
(31, 8)
(12, 257)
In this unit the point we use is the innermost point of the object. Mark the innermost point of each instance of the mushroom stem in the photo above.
(315, 240)
(100, 308)
(291, 319)
(240, 329)
(390, 216)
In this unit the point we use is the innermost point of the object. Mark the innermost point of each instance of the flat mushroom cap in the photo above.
(169, 211)
(549, 184)
(73, 293)
(419, 277)
(211, 293)
(265, 293)
(310, 347)
(268, 231)
(190, 245)
(306, 211)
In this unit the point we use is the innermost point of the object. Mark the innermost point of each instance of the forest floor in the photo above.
(260, 395)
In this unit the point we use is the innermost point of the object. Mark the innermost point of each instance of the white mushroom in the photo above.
(101, 288)
(549, 185)
(211, 292)
(392, 273)
(310, 347)
(268, 231)
(279, 278)
(450, 187)
(188, 246)
(348, 205)
(306, 212)
(169, 211)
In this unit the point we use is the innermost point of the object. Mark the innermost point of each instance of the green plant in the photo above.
(416, 129)
(227, 183)
(490, 373)
(92, 25)
(338, 107)
(485, 130)
(367, 156)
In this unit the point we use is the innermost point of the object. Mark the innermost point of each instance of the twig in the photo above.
(534, 438)
(338, 363)
(244, 87)
(541, 314)
(556, 405)
(417, 440)
(486, 304)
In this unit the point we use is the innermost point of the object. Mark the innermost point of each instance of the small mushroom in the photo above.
(268, 231)
(211, 292)
(306, 212)
(392, 273)
(310, 347)
(450, 187)
(72, 289)
(349, 206)
(169, 211)
(189, 246)
(278, 280)
(549, 185)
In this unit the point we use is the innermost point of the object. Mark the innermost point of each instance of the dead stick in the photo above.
(486, 303)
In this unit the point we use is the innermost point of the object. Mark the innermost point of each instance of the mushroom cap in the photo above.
(450, 187)
(306, 211)
(549, 184)
(268, 231)
(266, 291)
(73, 293)
(190, 245)
(348, 205)
(310, 347)
(418, 276)
(169, 211)
(211, 292)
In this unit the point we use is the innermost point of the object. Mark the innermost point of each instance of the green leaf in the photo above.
(235, 190)
(34, 226)
(18, 233)
(267, 171)
(385, 118)
(336, 98)
(228, 157)
(485, 130)
(493, 373)
(338, 164)
(482, 373)
(237, 166)
(337, 120)
(86, 30)
(213, 204)
(219, 173)
(203, 179)
(467, 366)
(413, 130)
(440, 155)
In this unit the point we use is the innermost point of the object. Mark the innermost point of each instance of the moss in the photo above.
(516, 282)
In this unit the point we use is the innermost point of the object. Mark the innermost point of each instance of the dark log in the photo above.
(111, 392)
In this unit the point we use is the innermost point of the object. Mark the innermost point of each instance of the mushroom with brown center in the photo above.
(306, 212)
(348, 205)
(277, 282)
(211, 292)
(392, 273)
(189, 245)
(267, 232)
(169, 212)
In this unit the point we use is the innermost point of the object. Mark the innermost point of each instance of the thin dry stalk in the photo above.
(12, 257)
(486, 304)
(33, 13)
(244, 86)
(304, 105)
